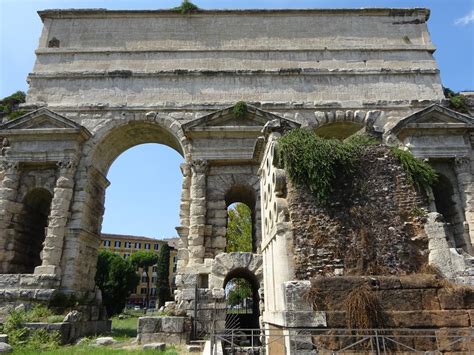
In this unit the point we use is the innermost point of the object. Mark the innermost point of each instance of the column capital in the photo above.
(8, 166)
(199, 166)
(67, 165)
(462, 164)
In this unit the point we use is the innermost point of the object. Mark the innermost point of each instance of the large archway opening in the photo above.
(141, 161)
(242, 303)
(241, 229)
(31, 231)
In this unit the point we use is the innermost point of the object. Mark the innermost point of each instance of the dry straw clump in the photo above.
(363, 309)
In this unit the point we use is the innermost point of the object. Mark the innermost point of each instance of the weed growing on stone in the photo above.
(363, 309)
(240, 109)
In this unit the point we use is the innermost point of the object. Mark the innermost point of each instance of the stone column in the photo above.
(466, 192)
(183, 229)
(9, 181)
(58, 217)
(197, 212)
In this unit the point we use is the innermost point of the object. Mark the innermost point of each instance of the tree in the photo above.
(9, 105)
(239, 228)
(116, 278)
(238, 290)
(163, 292)
(144, 259)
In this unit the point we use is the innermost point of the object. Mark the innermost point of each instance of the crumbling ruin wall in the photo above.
(373, 224)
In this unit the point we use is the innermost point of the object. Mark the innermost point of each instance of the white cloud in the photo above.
(465, 20)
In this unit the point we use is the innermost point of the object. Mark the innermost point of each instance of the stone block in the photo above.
(105, 341)
(3, 338)
(429, 319)
(149, 324)
(5, 348)
(172, 324)
(450, 298)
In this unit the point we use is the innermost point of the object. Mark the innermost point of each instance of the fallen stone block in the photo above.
(154, 346)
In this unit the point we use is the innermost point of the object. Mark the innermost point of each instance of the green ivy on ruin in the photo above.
(419, 173)
(457, 101)
(319, 163)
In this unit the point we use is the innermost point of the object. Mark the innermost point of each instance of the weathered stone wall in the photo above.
(370, 226)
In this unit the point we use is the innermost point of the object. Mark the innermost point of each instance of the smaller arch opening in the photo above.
(445, 203)
(31, 231)
(338, 130)
(241, 230)
(242, 300)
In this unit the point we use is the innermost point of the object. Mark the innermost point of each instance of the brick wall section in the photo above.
(368, 227)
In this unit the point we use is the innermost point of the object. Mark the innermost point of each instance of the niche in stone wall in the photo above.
(240, 201)
(30, 231)
(338, 130)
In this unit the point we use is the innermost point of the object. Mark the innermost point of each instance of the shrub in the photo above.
(457, 101)
(240, 109)
(9, 105)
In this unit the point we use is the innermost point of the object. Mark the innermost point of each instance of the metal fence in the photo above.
(343, 341)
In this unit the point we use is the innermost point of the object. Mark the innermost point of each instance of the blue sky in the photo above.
(150, 207)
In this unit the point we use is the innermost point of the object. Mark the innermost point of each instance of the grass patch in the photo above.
(123, 329)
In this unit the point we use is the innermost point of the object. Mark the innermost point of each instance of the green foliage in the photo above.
(419, 173)
(239, 290)
(239, 228)
(21, 337)
(123, 329)
(186, 7)
(163, 292)
(317, 162)
(9, 105)
(117, 278)
(240, 109)
(143, 259)
(457, 101)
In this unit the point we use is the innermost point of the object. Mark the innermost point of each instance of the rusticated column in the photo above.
(197, 211)
(466, 191)
(183, 229)
(58, 217)
(9, 181)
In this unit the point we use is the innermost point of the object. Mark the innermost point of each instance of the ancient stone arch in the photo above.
(101, 92)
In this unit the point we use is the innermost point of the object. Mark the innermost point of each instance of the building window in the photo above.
(154, 268)
(156, 246)
(117, 244)
(126, 255)
(138, 245)
(153, 279)
(106, 243)
(143, 291)
(147, 246)
(128, 245)
(144, 278)
(175, 268)
(153, 292)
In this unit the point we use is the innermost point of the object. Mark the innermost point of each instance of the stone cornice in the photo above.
(186, 72)
(101, 12)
